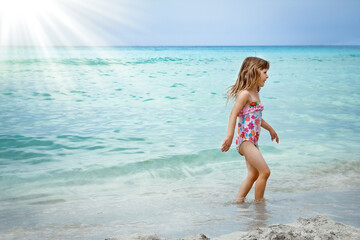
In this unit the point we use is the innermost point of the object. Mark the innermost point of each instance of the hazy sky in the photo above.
(181, 22)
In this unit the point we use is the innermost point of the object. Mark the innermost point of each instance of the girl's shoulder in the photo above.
(244, 94)
(249, 96)
(243, 98)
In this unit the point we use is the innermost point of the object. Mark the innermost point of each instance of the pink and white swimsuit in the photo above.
(249, 124)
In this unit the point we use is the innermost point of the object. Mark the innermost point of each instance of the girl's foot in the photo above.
(262, 200)
(239, 200)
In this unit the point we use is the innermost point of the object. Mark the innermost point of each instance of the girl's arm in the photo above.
(273, 134)
(242, 99)
(265, 125)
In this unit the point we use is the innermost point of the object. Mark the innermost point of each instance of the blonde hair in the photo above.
(248, 76)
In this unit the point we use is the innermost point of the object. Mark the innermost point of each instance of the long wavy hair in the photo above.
(248, 76)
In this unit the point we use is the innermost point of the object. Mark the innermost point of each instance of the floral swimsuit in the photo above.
(249, 124)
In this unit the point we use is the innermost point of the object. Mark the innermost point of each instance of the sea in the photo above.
(97, 142)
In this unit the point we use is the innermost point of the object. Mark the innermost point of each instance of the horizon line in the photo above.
(96, 46)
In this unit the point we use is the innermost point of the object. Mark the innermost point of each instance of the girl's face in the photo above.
(262, 78)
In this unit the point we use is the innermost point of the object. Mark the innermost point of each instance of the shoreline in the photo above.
(239, 221)
(318, 227)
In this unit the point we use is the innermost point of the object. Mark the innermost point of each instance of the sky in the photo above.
(179, 22)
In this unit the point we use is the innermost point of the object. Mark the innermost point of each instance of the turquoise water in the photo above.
(98, 142)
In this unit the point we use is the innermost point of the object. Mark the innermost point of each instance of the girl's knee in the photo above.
(253, 176)
(265, 173)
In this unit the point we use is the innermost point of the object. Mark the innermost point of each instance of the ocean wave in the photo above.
(171, 167)
(75, 160)
(19, 143)
(91, 61)
(108, 61)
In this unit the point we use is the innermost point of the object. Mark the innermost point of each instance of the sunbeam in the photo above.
(64, 23)
(45, 24)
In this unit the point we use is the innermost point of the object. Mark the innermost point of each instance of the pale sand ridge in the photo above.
(317, 228)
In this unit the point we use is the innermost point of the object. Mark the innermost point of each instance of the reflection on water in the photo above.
(253, 214)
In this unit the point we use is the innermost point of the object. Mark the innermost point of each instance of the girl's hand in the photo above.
(274, 135)
(226, 144)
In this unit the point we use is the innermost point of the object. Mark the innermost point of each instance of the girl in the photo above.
(248, 111)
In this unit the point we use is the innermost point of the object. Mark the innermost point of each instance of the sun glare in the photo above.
(18, 10)
(60, 22)
(21, 19)
(45, 24)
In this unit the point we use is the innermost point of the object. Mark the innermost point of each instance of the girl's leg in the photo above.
(254, 158)
(247, 184)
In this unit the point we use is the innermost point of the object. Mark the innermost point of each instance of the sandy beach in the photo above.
(319, 227)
